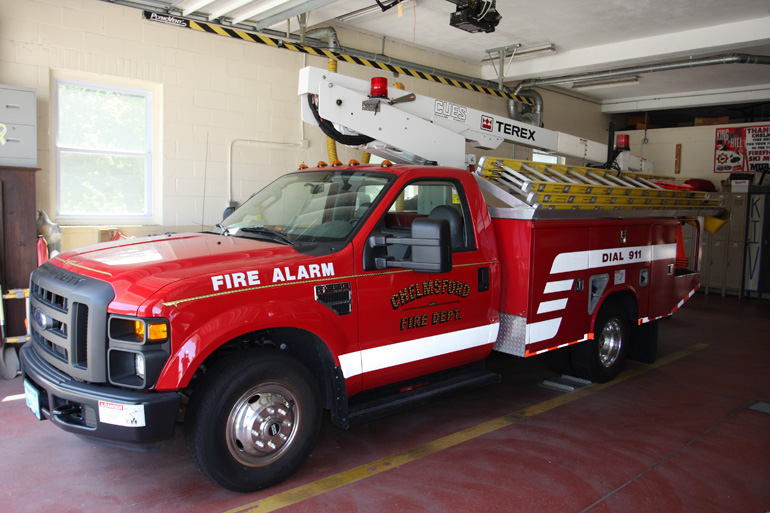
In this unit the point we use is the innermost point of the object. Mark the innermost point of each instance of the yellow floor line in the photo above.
(327, 484)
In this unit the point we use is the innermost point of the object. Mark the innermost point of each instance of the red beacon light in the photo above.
(379, 87)
(623, 142)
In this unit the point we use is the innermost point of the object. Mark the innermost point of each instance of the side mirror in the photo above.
(430, 243)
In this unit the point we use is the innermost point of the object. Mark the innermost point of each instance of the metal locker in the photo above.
(734, 270)
(737, 225)
(717, 261)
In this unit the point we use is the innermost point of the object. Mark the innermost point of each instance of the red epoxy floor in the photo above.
(679, 437)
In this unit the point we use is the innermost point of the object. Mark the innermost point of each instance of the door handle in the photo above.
(483, 275)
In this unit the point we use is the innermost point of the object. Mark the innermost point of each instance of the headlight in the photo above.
(139, 365)
(138, 350)
(141, 331)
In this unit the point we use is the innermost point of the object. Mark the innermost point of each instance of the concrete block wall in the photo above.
(224, 100)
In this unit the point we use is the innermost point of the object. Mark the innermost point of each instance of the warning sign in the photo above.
(127, 415)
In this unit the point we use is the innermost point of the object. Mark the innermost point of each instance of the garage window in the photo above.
(104, 152)
(546, 158)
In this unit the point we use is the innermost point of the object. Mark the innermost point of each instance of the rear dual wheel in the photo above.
(253, 420)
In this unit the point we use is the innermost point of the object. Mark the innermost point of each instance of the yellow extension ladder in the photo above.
(561, 187)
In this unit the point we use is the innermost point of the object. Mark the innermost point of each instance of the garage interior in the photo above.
(219, 81)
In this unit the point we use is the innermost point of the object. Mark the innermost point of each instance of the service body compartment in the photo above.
(558, 273)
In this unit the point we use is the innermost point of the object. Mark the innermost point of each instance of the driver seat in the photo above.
(455, 223)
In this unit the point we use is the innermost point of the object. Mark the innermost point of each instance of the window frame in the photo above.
(545, 158)
(470, 235)
(152, 93)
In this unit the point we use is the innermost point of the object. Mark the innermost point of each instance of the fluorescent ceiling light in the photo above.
(539, 49)
(358, 13)
(259, 8)
(516, 51)
(606, 82)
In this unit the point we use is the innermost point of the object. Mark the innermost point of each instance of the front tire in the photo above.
(600, 360)
(253, 420)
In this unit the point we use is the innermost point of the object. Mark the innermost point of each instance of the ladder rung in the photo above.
(17, 340)
(537, 173)
(16, 294)
(561, 175)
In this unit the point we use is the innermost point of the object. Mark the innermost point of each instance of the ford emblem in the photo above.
(42, 320)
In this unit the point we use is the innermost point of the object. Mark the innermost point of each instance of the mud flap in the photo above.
(644, 343)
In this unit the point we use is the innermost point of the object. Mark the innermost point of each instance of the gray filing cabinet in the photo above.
(722, 252)
(18, 119)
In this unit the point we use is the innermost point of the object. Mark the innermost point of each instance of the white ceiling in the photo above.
(588, 35)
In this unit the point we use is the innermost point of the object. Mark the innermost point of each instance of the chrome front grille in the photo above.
(69, 321)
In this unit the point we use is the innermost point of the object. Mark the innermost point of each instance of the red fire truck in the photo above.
(359, 289)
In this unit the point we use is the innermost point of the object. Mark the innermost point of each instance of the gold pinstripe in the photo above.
(317, 280)
(72, 263)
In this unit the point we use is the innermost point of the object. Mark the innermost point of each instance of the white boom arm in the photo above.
(412, 128)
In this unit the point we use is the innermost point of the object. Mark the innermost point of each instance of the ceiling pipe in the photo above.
(535, 114)
(327, 33)
(737, 58)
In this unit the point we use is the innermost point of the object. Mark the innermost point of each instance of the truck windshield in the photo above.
(312, 206)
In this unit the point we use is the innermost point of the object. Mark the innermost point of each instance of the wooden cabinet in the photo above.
(18, 239)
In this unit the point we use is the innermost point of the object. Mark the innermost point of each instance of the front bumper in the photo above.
(103, 414)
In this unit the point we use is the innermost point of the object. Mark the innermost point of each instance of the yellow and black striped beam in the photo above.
(323, 52)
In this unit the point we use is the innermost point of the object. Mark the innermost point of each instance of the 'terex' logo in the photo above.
(488, 124)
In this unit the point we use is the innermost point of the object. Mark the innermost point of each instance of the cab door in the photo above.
(414, 323)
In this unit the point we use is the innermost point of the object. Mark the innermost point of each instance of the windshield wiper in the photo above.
(273, 235)
(225, 231)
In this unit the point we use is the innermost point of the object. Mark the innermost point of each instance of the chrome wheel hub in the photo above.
(262, 424)
(610, 342)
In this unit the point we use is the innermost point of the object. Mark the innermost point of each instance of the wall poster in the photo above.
(742, 149)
